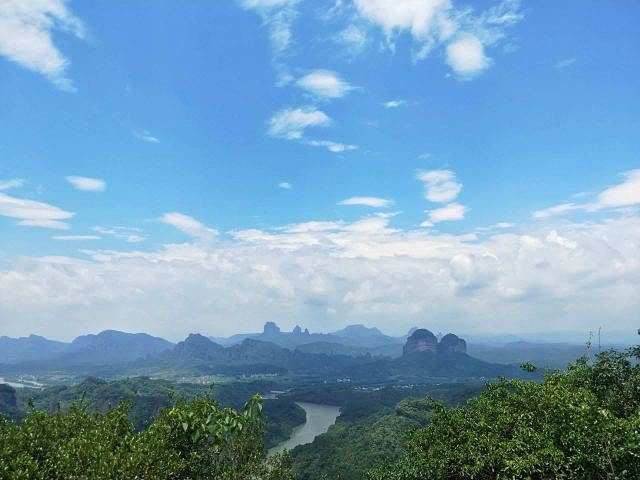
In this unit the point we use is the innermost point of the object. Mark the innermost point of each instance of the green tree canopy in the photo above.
(583, 423)
(194, 439)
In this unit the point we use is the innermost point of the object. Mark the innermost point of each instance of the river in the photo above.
(319, 419)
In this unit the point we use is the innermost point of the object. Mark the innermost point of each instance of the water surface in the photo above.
(319, 419)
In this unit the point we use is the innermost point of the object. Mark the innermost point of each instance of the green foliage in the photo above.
(282, 417)
(372, 427)
(582, 423)
(193, 439)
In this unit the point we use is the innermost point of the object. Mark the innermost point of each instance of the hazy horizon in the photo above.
(176, 167)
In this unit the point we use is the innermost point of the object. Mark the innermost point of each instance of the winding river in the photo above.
(319, 419)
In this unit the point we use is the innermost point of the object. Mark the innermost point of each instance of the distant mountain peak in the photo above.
(359, 330)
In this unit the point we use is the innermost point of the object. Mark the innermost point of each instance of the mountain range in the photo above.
(345, 353)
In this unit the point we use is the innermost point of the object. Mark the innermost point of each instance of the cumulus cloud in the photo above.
(290, 123)
(189, 225)
(324, 84)
(569, 276)
(466, 56)
(87, 183)
(31, 213)
(450, 212)
(375, 202)
(440, 185)
(463, 33)
(26, 36)
(285, 185)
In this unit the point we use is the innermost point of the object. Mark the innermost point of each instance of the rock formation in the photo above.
(270, 328)
(451, 343)
(422, 340)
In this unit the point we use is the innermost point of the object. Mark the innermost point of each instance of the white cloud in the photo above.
(567, 62)
(278, 16)
(285, 185)
(76, 238)
(366, 271)
(464, 33)
(553, 237)
(324, 84)
(394, 103)
(466, 56)
(128, 234)
(335, 147)
(624, 194)
(145, 136)
(26, 31)
(353, 39)
(496, 226)
(422, 18)
(189, 225)
(555, 210)
(290, 123)
(32, 213)
(87, 183)
(453, 211)
(375, 202)
(440, 185)
(12, 183)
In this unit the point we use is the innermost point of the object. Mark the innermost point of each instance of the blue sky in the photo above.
(208, 166)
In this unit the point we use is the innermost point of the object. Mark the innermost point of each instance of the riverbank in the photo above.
(319, 418)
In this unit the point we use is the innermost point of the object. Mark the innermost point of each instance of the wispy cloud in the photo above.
(290, 123)
(324, 84)
(12, 183)
(375, 202)
(87, 183)
(624, 194)
(394, 103)
(128, 234)
(26, 37)
(31, 213)
(278, 16)
(145, 136)
(75, 238)
(335, 147)
(189, 225)
(285, 185)
(567, 62)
